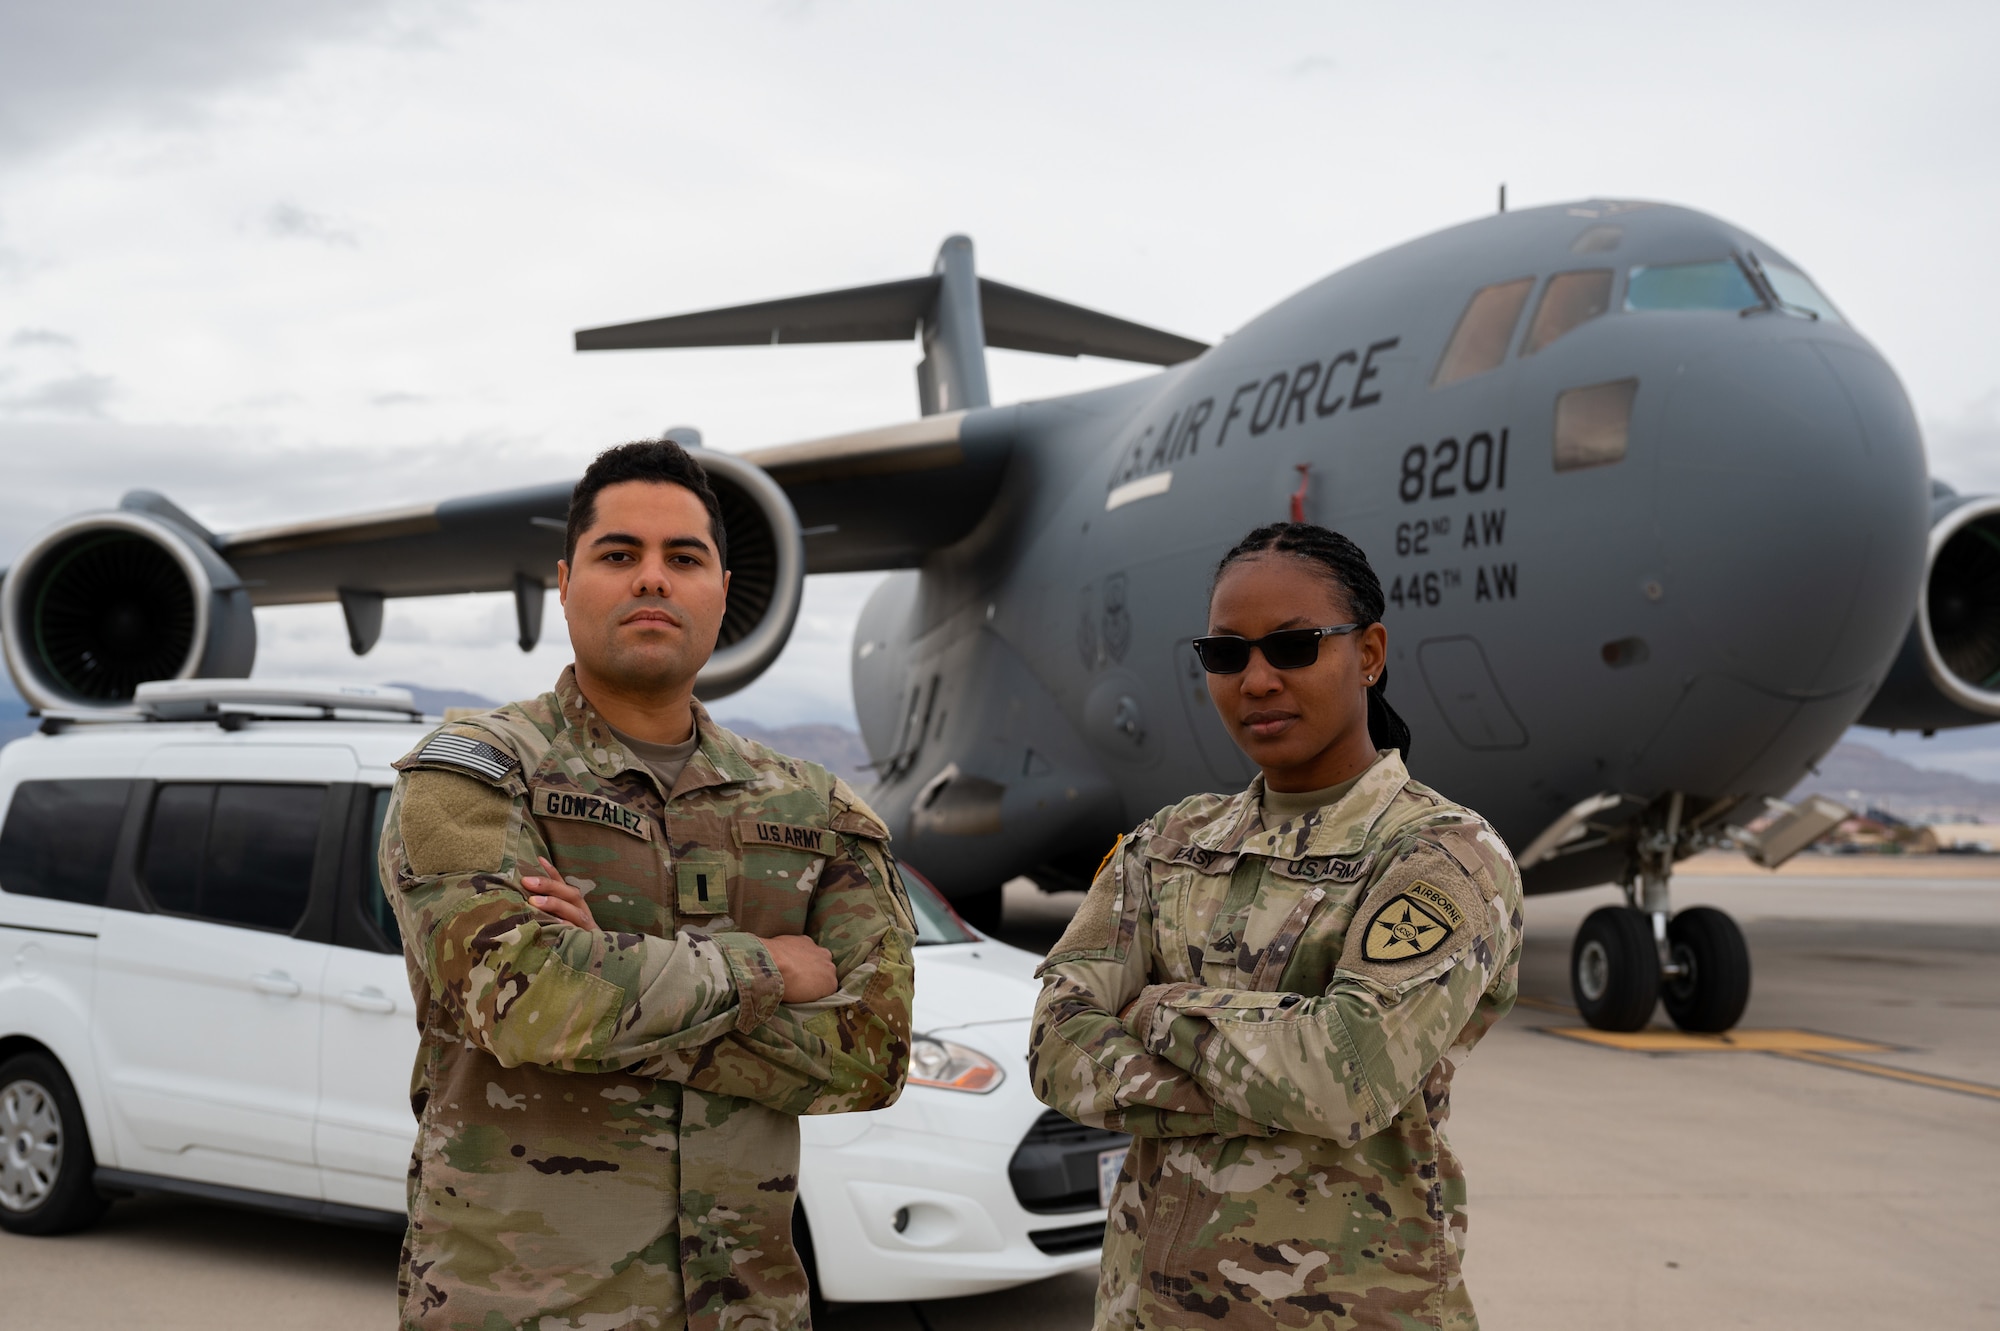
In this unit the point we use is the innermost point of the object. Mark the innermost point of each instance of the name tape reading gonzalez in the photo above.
(592, 809)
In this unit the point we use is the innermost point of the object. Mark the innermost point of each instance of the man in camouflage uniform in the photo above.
(632, 972)
(1274, 1012)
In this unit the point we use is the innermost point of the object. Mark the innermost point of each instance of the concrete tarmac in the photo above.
(1610, 1189)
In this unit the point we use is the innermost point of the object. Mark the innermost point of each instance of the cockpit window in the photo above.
(1568, 300)
(1797, 292)
(1716, 285)
(1479, 343)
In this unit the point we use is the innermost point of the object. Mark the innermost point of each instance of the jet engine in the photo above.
(767, 573)
(1947, 672)
(103, 602)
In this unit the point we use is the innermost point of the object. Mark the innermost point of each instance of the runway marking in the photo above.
(1656, 1040)
(1796, 1046)
(1936, 1083)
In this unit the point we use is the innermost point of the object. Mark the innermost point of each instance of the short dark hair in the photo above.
(1344, 564)
(659, 460)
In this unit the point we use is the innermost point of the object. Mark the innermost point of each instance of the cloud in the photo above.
(290, 222)
(76, 395)
(40, 337)
(397, 399)
(1311, 66)
(69, 69)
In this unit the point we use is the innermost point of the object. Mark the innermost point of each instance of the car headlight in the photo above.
(950, 1066)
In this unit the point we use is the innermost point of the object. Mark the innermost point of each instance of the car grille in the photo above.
(1070, 1238)
(1054, 1170)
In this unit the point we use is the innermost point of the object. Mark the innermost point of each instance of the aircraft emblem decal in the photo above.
(1414, 923)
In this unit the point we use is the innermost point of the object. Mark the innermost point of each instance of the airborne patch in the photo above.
(1414, 923)
(592, 809)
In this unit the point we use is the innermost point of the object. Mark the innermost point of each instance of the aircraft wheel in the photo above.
(1713, 987)
(46, 1167)
(1614, 969)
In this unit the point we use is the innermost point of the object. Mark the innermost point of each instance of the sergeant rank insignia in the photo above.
(1414, 923)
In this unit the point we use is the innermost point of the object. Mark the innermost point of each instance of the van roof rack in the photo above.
(278, 700)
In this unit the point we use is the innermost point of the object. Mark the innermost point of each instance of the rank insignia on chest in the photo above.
(1413, 923)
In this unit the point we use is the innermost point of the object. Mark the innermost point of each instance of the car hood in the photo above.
(974, 984)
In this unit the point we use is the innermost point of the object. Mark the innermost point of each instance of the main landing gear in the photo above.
(1627, 958)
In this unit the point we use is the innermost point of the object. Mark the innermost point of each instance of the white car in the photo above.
(202, 992)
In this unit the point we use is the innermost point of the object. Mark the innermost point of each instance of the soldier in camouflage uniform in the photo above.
(1271, 991)
(619, 972)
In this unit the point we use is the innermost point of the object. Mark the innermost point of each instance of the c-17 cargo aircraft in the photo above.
(1653, 520)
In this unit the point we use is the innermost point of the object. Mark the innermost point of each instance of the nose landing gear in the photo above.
(1627, 958)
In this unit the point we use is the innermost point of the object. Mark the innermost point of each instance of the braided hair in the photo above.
(1342, 562)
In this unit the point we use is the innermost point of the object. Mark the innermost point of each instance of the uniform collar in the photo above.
(1340, 829)
(718, 761)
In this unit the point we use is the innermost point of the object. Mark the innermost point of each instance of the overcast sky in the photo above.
(293, 258)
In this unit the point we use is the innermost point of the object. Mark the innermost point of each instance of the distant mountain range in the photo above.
(1856, 775)
(1863, 778)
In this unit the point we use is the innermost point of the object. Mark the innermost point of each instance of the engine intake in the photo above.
(767, 572)
(1947, 672)
(104, 602)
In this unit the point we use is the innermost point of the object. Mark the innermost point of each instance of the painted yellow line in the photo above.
(1544, 1005)
(1656, 1040)
(1936, 1083)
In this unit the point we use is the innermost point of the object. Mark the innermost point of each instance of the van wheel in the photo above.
(45, 1159)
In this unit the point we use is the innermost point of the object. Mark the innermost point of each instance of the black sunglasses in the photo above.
(1287, 649)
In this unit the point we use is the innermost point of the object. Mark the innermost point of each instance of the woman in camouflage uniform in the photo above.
(1270, 991)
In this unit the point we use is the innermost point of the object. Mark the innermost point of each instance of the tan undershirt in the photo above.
(665, 760)
(1281, 806)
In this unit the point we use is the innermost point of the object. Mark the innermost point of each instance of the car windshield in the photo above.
(1797, 291)
(935, 921)
(1716, 285)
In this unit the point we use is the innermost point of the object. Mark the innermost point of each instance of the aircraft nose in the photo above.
(1791, 512)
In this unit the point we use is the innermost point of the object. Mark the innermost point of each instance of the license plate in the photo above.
(1109, 1163)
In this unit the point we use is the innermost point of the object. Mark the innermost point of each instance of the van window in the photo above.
(234, 854)
(60, 837)
(375, 902)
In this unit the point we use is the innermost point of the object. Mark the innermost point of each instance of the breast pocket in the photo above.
(779, 865)
(613, 853)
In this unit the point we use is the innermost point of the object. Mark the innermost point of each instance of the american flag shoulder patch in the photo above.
(483, 760)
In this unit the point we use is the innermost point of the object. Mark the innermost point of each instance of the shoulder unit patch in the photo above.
(1413, 923)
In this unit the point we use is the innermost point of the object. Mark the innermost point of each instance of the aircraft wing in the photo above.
(872, 499)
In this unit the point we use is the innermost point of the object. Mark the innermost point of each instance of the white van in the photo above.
(202, 992)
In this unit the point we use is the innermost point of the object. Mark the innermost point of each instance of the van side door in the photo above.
(207, 1003)
(368, 1024)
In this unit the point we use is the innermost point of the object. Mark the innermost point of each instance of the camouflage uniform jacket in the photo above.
(608, 1133)
(1275, 1014)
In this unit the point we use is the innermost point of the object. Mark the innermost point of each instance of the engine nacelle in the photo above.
(103, 602)
(1947, 672)
(767, 573)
